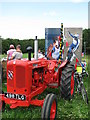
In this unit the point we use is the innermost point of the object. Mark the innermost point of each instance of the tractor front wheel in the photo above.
(67, 84)
(49, 110)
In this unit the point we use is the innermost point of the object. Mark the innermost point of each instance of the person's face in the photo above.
(54, 44)
(39, 51)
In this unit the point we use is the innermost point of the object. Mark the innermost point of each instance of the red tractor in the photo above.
(28, 78)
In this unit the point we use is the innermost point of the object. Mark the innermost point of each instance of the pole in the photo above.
(85, 50)
(61, 42)
(36, 48)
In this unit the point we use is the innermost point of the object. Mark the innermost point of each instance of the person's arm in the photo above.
(22, 55)
(71, 35)
(76, 46)
(7, 55)
(53, 49)
(13, 56)
(50, 56)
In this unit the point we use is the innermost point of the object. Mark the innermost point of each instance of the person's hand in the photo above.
(72, 51)
(68, 32)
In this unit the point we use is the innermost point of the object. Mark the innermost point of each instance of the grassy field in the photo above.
(25, 55)
(74, 109)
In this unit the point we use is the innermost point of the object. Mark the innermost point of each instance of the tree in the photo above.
(86, 40)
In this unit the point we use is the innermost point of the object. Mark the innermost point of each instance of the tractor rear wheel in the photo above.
(49, 110)
(67, 84)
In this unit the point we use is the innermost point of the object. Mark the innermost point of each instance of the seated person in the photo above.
(10, 51)
(40, 55)
(18, 54)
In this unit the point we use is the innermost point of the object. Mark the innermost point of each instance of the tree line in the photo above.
(24, 44)
(41, 43)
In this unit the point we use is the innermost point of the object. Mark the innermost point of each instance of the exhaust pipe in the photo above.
(36, 48)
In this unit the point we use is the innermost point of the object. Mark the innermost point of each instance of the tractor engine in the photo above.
(25, 75)
(37, 76)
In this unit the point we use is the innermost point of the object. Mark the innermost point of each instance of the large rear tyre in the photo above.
(67, 84)
(49, 110)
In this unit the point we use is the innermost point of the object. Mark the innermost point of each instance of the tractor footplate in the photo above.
(53, 84)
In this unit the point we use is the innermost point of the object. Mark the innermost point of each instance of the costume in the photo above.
(73, 47)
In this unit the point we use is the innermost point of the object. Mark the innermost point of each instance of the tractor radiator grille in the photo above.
(10, 76)
(20, 77)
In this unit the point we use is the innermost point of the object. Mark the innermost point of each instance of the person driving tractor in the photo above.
(73, 47)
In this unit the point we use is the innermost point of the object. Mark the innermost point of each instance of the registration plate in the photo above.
(15, 96)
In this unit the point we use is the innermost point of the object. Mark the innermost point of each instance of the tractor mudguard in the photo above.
(63, 64)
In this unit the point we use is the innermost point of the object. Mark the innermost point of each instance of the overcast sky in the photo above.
(24, 20)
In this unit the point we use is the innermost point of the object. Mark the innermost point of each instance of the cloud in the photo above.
(23, 28)
(50, 13)
(75, 1)
(78, 1)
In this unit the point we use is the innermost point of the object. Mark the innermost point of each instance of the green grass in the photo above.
(74, 109)
(25, 55)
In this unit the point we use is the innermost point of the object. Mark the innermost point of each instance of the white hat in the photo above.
(11, 46)
(76, 35)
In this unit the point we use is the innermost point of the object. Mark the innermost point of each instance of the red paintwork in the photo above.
(31, 78)
(63, 64)
(53, 110)
(59, 38)
(0, 103)
(37, 102)
(72, 83)
(77, 61)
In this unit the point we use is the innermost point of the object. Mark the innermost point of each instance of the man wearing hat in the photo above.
(10, 52)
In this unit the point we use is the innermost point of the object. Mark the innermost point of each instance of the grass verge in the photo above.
(74, 109)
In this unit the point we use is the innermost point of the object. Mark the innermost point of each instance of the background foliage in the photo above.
(24, 44)
(41, 45)
(86, 39)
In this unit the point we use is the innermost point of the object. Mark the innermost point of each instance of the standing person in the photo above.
(75, 44)
(18, 54)
(40, 55)
(73, 47)
(10, 51)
